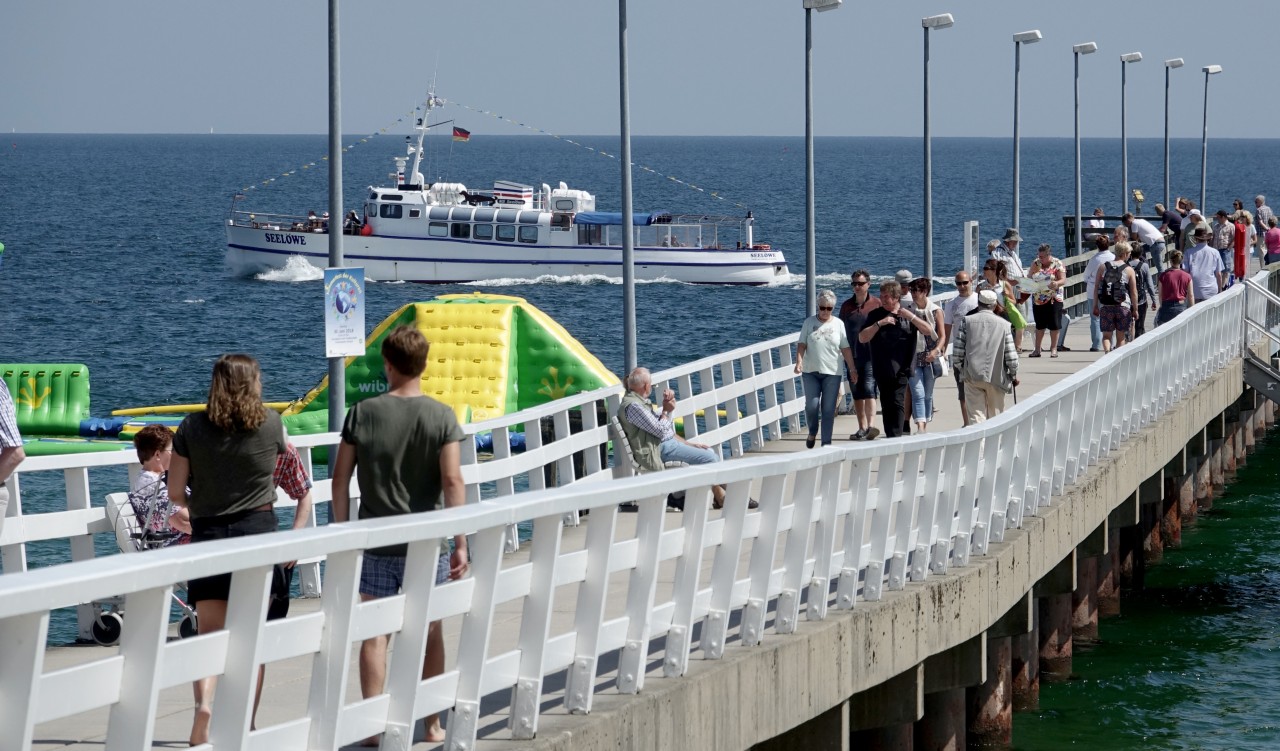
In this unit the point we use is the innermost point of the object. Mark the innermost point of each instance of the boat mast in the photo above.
(421, 127)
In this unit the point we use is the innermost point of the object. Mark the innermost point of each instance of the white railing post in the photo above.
(715, 629)
(803, 496)
(22, 646)
(131, 723)
(473, 644)
(589, 615)
(854, 533)
(535, 625)
(77, 484)
(763, 550)
(675, 661)
(331, 665)
(246, 615)
(824, 541)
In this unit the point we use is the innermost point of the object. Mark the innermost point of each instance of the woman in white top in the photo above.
(928, 364)
(821, 346)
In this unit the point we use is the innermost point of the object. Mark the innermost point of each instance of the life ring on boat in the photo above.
(761, 246)
(366, 230)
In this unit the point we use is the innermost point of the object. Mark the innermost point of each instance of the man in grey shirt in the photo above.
(984, 354)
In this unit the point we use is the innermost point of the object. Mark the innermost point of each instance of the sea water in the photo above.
(114, 258)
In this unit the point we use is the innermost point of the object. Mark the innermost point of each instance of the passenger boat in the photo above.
(446, 232)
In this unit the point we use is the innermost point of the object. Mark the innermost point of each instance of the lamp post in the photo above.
(629, 353)
(1076, 51)
(1125, 59)
(810, 236)
(337, 365)
(1019, 39)
(930, 22)
(1168, 66)
(1209, 70)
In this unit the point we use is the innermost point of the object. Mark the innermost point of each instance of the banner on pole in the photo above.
(343, 312)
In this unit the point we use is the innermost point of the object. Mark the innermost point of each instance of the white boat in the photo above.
(445, 232)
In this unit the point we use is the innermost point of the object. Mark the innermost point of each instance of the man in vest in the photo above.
(653, 437)
(984, 355)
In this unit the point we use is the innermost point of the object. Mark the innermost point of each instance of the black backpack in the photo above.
(1114, 289)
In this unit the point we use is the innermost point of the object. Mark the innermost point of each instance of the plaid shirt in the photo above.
(644, 419)
(9, 436)
(290, 475)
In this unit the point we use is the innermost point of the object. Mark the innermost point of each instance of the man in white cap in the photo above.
(1193, 222)
(1260, 218)
(986, 358)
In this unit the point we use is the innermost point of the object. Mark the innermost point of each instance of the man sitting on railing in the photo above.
(11, 453)
(653, 437)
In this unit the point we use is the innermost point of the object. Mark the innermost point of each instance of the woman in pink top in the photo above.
(1273, 241)
(1175, 290)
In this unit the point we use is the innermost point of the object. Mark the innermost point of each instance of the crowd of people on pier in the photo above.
(893, 344)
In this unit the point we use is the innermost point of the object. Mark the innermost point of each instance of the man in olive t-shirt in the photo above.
(404, 445)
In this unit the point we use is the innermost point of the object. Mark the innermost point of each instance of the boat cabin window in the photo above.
(438, 229)
(528, 234)
(392, 197)
(485, 215)
(507, 233)
(391, 211)
(440, 212)
(561, 221)
(483, 232)
(460, 231)
(590, 234)
(507, 216)
(564, 204)
(373, 196)
(415, 213)
(461, 214)
(529, 217)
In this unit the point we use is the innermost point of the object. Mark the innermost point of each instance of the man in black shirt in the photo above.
(891, 331)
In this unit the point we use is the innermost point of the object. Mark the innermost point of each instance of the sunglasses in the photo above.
(962, 284)
(825, 307)
(860, 284)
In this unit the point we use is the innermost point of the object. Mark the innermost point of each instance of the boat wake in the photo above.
(296, 269)
(583, 280)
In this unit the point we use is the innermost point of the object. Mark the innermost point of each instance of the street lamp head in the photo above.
(821, 5)
(1211, 69)
(1174, 63)
(1131, 57)
(1084, 49)
(1027, 37)
(938, 22)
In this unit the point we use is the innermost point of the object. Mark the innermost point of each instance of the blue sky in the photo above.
(698, 67)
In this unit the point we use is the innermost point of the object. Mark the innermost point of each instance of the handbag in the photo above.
(1014, 315)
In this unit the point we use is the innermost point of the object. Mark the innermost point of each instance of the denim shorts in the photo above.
(865, 388)
(383, 575)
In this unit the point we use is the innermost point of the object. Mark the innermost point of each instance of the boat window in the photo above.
(392, 197)
(414, 213)
(530, 217)
(484, 215)
(460, 231)
(507, 215)
(564, 204)
(461, 214)
(590, 234)
(528, 234)
(507, 233)
(440, 212)
(483, 232)
(391, 211)
(373, 196)
(438, 229)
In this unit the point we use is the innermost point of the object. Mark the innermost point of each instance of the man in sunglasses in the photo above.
(958, 307)
(854, 312)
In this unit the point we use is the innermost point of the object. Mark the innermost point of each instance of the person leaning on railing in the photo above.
(11, 453)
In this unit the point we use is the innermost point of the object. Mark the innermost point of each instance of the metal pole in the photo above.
(1124, 136)
(337, 365)
(810, 239)
(1017, 135)
(928, 170)
(628, 230)
(1077, 138)
(1167, 205)
(1204, 144)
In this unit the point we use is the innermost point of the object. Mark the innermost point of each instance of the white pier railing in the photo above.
(827, 532)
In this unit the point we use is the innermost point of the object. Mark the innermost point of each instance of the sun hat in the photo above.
(986, 297)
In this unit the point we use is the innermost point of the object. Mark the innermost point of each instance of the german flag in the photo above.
(460, 134)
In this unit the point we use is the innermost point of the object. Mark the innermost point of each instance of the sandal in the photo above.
(1034, 354)
(1053, 354)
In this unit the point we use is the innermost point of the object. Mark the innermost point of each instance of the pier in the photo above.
(883, 593)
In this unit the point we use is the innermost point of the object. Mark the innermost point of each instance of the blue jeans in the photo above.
(1095, 332)
(1228, 260)
(821, 391)
(1063, 323)
(1156, 251)
(676, 450)
(921, 384)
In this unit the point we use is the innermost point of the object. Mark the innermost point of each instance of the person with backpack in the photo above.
(1115, 297)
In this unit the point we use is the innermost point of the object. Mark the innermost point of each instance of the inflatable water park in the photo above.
(490, 355)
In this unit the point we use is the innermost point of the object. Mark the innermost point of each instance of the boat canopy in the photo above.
(615, 218)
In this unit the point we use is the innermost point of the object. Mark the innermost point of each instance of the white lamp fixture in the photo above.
(822, 5)
(1028, 37)
(1085, 49)
(1173, 63)
(1211, 69)
(1131, 57)
(938, 22)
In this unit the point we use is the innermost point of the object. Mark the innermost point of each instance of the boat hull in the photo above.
(252, 250)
